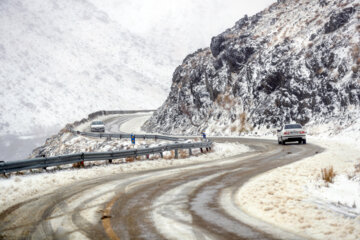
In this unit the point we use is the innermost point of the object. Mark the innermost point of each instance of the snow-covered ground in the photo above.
(19, 188)
(296, 199)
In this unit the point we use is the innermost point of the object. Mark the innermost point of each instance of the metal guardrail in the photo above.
(92, 116)
(126, 135)
(44, 162)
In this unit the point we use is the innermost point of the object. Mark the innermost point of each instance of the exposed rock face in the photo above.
(338, 20)
(297, 61)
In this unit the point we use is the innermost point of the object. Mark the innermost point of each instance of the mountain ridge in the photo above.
(296, 61)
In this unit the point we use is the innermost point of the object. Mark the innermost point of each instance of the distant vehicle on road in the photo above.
(97, 126)
(291, 133)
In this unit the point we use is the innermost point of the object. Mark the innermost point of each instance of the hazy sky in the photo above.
(190, 22)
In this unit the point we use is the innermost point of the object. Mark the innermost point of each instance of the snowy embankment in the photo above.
(19, 188)
(296, 198)
(68, 143)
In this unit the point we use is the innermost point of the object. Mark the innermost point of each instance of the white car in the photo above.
(291, 133)
(97, 126)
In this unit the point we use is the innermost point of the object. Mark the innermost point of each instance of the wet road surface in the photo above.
(183, 202)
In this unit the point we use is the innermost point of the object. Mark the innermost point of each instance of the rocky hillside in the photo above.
(296, 61)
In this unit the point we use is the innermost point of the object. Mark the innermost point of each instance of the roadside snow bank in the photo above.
(296, 199)
(342, 196)
(19, 188)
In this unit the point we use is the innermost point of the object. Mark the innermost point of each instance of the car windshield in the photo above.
(97, 123)
(292, 126)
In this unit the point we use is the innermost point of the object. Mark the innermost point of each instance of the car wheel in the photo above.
(283, 142)
(304, 141)
(279, 142)
(300, 141)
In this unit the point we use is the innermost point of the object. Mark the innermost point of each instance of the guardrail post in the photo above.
(161, 155)
(82, 160)
(207, 149)
(108, 138)
(190, 152)
(176, 154)
(201, 150)
(110, 160)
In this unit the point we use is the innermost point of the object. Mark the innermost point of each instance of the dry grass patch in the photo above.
(171, 156)
(183, 154)
(242, 118)
(328, 175)
(233, 128)
(129, 159)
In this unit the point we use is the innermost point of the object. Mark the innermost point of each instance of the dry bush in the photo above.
(171, 156)
(328, 174)
(78, 164)
(183, 153)
(310, 44)
(129, 159)
(225, 101)
(308, 54)
(233, 128)
(242, 118)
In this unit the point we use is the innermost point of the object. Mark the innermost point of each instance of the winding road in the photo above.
(195, 201)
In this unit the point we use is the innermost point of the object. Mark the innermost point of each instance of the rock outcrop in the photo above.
(296, 61)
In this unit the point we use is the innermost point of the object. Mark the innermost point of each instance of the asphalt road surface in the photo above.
(195, 201)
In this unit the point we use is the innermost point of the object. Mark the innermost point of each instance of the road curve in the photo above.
(183, 202)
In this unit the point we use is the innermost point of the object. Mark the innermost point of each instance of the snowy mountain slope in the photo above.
(60, 61)
(294, 61)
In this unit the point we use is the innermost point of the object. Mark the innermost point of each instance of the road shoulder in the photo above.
(284, 196)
